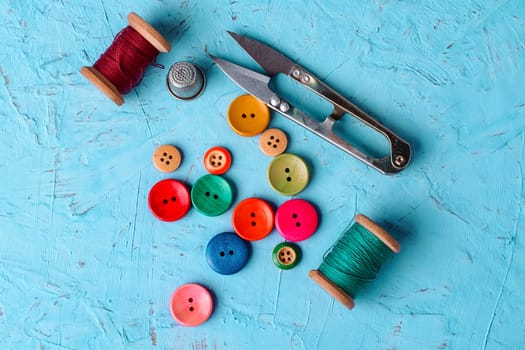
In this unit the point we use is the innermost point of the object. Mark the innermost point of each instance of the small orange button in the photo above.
(217, 160)
(167, 158)
(248, 116)
(253, 219)
(273, 142)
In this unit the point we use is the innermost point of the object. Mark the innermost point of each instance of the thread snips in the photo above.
(273, 63)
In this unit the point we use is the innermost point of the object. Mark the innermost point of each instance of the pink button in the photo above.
(191, 304)
(296, 220)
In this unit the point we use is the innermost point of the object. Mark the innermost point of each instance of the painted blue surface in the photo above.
(84, 265)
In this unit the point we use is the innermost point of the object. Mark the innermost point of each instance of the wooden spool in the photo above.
(330, 287)
(150, 34)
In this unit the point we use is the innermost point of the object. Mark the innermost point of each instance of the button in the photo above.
(167, 158)
(252, 219)
(211, 195)
(227, 253)
(248, 116)
(169, 200)
(296, 220)
(217, 160)
(273, 142)
(286, 255)
(191, 304)
(288, 174)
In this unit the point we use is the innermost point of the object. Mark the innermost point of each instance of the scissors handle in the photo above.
(399, 149)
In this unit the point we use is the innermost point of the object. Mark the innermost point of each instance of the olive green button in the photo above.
(286, 255)
(211, 195)
(288, 174)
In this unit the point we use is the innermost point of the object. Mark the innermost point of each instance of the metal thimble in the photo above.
(185, 80)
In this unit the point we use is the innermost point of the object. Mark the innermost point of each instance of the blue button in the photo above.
(227, 253)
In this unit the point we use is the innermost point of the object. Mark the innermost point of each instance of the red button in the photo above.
(191, 304)
(217, 160)
(253, 219)
(296, 220)
(169, 200)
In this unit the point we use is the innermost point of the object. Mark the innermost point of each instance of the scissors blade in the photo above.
(254, 83)
(269, 59)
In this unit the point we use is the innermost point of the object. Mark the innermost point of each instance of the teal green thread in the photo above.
(355, 259)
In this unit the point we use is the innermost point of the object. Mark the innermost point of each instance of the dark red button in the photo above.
(169, 200)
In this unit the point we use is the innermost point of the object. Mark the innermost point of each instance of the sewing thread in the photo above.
(354, 260)
(124, 62)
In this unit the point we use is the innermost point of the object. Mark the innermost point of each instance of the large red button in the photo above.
(169, 200)
(191, 304)
(296, 220)
(253, 219)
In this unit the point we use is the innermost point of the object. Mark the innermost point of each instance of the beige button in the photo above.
(167, 158)
(273, 142)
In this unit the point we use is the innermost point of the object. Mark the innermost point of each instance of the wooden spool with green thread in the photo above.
(354, 260)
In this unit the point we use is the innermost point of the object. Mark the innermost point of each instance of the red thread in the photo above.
(124, 62)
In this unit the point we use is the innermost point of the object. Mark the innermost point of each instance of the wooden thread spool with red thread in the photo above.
(121, 67)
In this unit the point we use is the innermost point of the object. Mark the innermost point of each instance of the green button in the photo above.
(286, 255)
(288, 174)
(211, 195)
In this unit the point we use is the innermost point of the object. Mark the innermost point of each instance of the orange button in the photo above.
(217, 160)
(273, 142)
(167, 158)
(248, 116)
(253, 219)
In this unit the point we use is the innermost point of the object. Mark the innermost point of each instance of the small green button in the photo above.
(288, 174)
(286, 255)
(211, 195)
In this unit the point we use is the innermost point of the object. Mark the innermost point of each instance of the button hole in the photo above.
(190, 300)
(298, 224)
(287, 170)
(274, 146)
(165, 201)
(269, 143)
(161, 159)
(191, 308)
(243, 115)
(277, 140)
(170, 157)
(231, 252)
(165, 154)
(167, 162)
(254, 223)
(207, 194)
(288, 179)
(215, 196)
(294, 216)
(173, 199)
(271, 137)
(222, 253)
(252, 214)
(252, 115)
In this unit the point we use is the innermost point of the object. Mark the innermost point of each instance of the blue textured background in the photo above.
(84, 265)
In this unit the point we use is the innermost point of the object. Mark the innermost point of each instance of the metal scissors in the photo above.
(273, 62)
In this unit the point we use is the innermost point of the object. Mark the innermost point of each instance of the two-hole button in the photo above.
(296, 220)
(211, 195)
(288, 174)
(248, 116)
(227, 253)
(253, 219)
(191, 304)
(169, 200)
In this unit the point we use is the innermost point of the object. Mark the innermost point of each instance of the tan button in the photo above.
(167, 158)
(273, 142)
